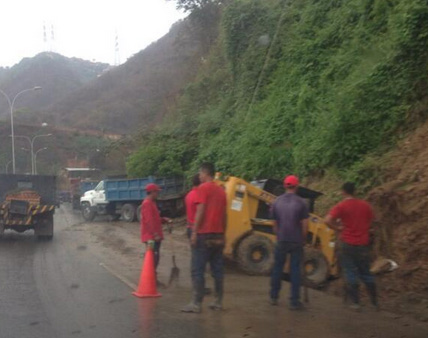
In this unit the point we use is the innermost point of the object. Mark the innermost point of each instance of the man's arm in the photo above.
(272, 215)
(305, 227)
(333, 223)
(200, 212)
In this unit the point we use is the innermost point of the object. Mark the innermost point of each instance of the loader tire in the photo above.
(87, 213)
(316, 268)
(255, 255)
(128, 212)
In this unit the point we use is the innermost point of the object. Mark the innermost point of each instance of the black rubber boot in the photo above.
(372, 291)
(354, 295)
(218, 301)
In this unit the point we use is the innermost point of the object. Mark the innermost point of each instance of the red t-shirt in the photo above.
(356, 216)
(151, 222)
(191, 204)
(214, 199)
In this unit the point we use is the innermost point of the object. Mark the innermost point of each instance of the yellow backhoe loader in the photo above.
(249, 235)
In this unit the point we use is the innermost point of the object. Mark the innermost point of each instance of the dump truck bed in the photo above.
(44, 185)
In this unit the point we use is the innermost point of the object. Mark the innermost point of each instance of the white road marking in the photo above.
(118, 276)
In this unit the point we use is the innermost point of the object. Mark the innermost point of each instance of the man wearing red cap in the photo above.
(151, 222)
(291, 215)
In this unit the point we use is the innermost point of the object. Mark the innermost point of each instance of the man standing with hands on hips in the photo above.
(291, 215)
(207, 239)
(151, 222)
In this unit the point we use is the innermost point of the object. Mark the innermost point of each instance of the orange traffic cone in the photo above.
(147, 286)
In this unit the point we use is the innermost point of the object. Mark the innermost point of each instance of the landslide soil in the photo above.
(401, 205)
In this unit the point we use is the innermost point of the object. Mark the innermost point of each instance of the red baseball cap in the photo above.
(152, 187)
(291, 181)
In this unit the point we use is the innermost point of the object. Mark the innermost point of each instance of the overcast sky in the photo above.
(82, 28)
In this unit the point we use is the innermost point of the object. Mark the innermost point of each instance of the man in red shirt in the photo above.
(208, 239)
(151, 222)
(352, 218)
(191, 204)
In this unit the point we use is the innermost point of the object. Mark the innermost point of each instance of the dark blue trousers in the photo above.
(207, 251)
(296, 252)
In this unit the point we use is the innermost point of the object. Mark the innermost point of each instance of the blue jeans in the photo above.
(189, 232)
(355, 261)
(156, 251)
(207, 250)
(281, 251)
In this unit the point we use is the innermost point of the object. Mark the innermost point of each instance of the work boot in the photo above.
(355, 307)
(216, 305)
(160, 285)
(354, 293)
(296, 306)
(274, 301)
(192, 307)
(372, 292)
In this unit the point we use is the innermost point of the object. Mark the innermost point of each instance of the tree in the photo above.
(191, 5)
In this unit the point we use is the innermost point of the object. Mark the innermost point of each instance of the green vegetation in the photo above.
(297, 86)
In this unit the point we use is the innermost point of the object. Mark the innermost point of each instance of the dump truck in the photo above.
(28, 202)
(250, 239)
(122, 198)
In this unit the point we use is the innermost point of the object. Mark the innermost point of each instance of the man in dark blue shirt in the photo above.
(291, 216)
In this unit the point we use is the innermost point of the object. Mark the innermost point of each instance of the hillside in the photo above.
(139, 93)
(300, 86)
(57, 75)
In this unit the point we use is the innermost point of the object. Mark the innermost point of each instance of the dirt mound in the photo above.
(401, 205)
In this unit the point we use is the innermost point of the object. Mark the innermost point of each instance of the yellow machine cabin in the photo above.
(250, 238)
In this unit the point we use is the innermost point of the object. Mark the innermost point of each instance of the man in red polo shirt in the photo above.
(208, 239)
(352, 218)
(151, 222)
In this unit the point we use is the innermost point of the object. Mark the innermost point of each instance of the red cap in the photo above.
(152, 187)
(291, 181)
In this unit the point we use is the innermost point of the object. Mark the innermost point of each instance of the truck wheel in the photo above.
(44, 228)
(129, 212)
(255, 255)
(316, 269)
(87, 213)
(139, 214)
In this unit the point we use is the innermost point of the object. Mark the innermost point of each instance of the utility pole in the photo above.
(11, 104)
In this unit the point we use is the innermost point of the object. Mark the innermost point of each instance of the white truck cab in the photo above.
(94, 197)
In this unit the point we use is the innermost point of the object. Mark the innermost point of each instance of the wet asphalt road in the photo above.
(59, 289)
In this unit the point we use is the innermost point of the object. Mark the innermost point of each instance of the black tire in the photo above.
(87, 213)
(139, 213)
(316, 268)
(255, 255)
(129, 212)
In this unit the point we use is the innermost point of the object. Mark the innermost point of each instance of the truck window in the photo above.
(100, 186)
